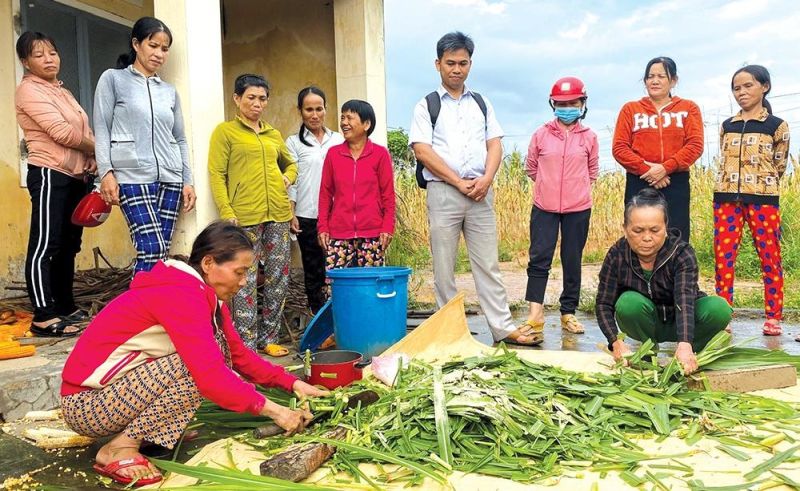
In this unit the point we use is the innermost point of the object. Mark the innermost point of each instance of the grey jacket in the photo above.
(138, 129)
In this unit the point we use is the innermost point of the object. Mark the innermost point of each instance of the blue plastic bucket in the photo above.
(369, 307)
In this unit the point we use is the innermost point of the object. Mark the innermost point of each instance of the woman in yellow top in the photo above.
(249, 170)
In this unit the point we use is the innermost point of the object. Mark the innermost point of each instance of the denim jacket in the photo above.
(139, 130)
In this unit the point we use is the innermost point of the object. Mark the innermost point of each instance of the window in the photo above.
(87, 44)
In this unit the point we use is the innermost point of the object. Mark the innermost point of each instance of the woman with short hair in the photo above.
(250, 169)
(356, 196)
(648, 286)
(60, 147)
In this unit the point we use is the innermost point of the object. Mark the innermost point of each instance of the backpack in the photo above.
(434, 103)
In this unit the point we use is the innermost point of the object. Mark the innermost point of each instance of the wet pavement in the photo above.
(557, 339)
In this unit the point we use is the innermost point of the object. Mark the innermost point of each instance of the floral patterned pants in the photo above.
(272, 259)
(349, 253)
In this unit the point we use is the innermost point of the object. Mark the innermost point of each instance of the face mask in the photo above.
(568, 115)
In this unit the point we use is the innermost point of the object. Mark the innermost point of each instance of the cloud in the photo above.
(483, 6)
(741, 9)
(606, 43)
(579, 32)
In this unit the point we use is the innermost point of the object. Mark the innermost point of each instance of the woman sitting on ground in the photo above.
(145, 363)
(648, 286)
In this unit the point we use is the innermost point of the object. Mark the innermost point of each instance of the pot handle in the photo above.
(362, 363)
(389, 280)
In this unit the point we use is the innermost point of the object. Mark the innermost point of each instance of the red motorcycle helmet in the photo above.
(568, 89)
(91, 211)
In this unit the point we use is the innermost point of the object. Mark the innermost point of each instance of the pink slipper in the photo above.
(771, 329)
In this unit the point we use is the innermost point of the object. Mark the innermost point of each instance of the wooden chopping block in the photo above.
(301, 460)
(745, 379)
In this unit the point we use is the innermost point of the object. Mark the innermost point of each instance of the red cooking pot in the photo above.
(336, 368)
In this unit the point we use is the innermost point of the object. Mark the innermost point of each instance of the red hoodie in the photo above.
(167, 310)
(672, 136)
(356, 197)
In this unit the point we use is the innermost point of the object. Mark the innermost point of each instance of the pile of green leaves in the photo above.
(504, 416)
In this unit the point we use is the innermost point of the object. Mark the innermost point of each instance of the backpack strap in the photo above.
(434, 103)
(482, 104)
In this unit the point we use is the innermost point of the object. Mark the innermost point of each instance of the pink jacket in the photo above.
(53, 123)
(356, 197)
(167, 310)
(564, 165)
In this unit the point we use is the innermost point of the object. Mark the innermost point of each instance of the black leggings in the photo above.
(53, 242)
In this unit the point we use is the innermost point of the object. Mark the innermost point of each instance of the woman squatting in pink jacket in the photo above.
(563, 163)
(150, 357)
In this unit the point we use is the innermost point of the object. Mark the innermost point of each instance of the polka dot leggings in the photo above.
(765, 226)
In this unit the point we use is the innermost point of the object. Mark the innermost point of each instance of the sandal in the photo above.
(111, 471)
(534, 331)
(57, 329)
(570, 323)
(330, 342)
(275, 350)
(78, 316)
(771, 329)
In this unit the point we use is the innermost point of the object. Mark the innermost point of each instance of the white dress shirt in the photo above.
(460, 135)
(305, 191)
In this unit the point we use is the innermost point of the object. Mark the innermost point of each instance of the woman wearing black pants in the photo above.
(309, 147)
(60, 155)
(562, 161)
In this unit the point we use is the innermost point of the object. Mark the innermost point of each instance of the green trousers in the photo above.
(638, 318)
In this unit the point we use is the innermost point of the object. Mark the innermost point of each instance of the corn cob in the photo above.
(51, 415)
(17, 352)
(50, 438)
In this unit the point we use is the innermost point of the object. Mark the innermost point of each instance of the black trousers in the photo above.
(313, 263)
(53, 241)
(677, 195)
(544, 235)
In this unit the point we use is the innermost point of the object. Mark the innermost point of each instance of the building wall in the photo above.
(292, 47)
(112, 237)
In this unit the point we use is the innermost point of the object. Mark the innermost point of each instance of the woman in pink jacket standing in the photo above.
(563, 163)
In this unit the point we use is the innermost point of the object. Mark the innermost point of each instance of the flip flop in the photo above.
(570, 323)
(111, 471)
(527, 329)
(771, 329)
(275, 350)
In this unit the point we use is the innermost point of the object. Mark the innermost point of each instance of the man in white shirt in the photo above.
(461, 154)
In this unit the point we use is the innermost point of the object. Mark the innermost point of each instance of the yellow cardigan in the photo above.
(246, 172)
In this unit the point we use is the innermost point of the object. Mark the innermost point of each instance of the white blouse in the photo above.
(305, 191)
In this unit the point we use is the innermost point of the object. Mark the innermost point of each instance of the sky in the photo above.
(523, 46)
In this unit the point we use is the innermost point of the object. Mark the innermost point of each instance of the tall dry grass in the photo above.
(513, 199)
